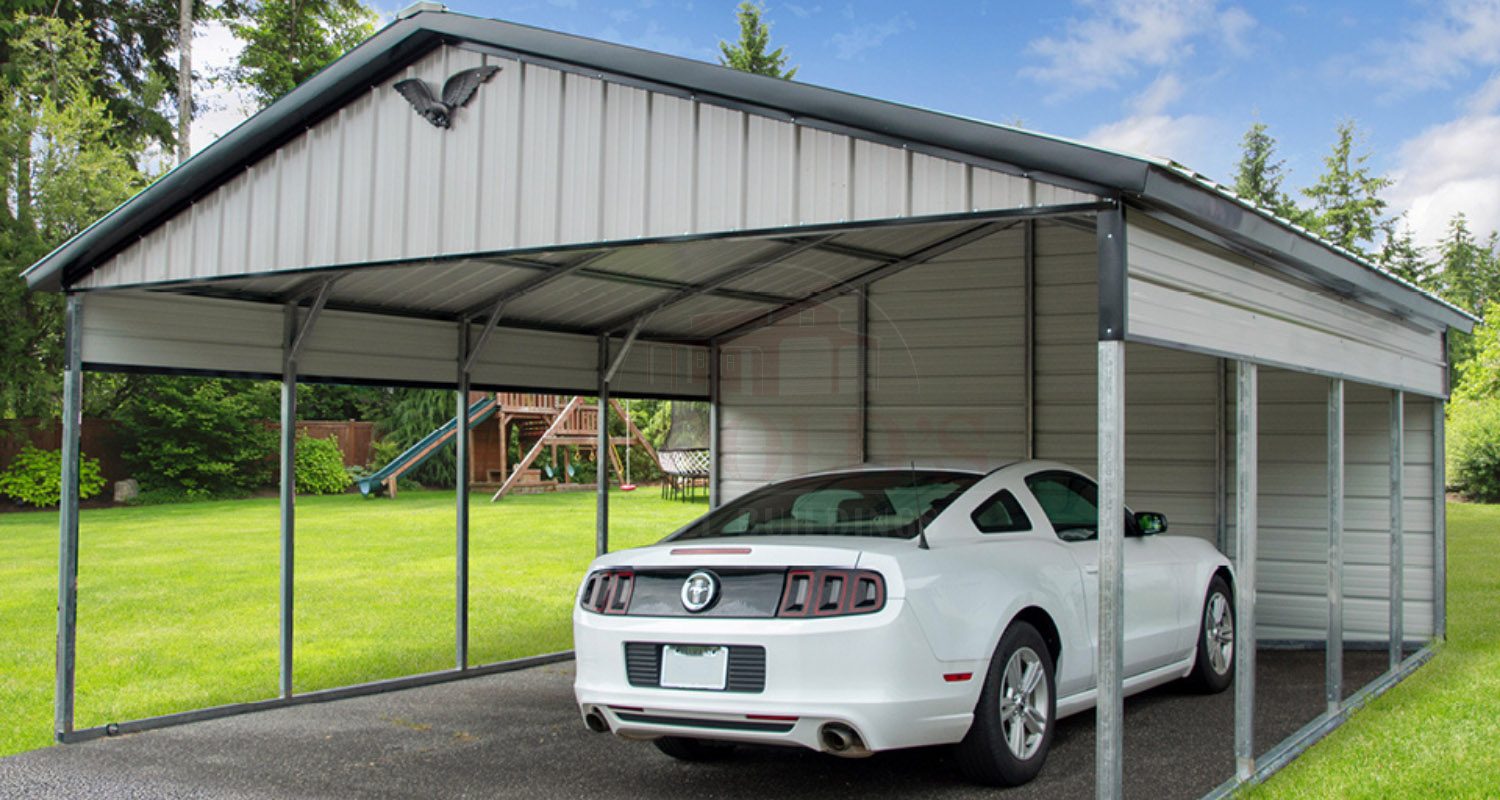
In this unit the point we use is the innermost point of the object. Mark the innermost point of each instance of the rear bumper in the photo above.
(874, 673)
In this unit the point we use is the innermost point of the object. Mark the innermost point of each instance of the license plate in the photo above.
(694, 666)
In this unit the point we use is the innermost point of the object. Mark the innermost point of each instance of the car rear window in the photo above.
(890, 503)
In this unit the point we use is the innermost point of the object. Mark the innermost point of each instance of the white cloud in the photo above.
(1487, 99)
(1150, 130)
(1462, 34)
(1448, 168)
(802, 12)
(220, 106)
(1120, 36)
(868, 36)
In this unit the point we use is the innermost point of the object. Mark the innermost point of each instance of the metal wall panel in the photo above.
(1292, 576)
(237, 337)
(1188, 293)
(946, 355)
(540, 157)
(790, 398)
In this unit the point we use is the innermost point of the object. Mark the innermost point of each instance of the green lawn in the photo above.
(1437, 734)
(178, 604)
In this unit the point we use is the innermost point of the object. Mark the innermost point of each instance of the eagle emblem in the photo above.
(458, 90)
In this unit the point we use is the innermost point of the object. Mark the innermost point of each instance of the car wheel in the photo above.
(685, 749)
(1213, 669)
(1012, 730)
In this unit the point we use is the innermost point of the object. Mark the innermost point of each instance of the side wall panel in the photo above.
(1292, 580)
(235, 337)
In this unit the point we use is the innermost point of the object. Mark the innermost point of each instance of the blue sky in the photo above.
(1175, 78)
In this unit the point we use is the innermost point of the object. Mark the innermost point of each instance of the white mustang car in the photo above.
(874, 608)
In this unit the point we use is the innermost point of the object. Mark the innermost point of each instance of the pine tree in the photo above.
(1347, 206)
(1401, 256)
(1259, 174)
(1470, 275)
(750, 54)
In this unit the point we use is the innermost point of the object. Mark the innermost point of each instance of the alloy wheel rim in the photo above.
(1024, 698)
(1218, 633)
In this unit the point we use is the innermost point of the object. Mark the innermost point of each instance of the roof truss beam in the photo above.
(946, 245)
(728, 276)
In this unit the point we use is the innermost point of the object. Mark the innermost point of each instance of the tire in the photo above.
(1004, 748)
(1213, 668)
(685, 749)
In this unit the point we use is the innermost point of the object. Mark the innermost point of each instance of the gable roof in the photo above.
(1157, 185)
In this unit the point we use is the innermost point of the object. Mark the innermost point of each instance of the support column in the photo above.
(1439, 524)
(1247, 491)
(714, 421)
(1397, 505)
(67, 554)
(1109, 737)
(461, 492)
(863, 412)
(1334, 655)
(1028, 332)
(288, 493)
(601, 516)
(1221, 456)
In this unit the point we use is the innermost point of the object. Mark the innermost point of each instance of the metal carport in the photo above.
(844, 279)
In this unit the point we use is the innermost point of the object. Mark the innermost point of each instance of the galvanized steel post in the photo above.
(461, 492)
(1334, 655)
(1111, 707)
(1397, 506)
(67, 558)
(288, 493)
(1028, 329)
(714, 399)
(1439, 524)
(1247, 492)
(601, 516)
(1109, 738)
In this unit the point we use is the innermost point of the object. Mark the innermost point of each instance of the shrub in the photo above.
(34, 477)
(320, 466)
(203, 437)
(1474, 448)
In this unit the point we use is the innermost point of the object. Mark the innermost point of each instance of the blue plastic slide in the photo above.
(479, 411)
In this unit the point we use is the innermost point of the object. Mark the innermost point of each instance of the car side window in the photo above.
(1001, 514)
(1070, 503)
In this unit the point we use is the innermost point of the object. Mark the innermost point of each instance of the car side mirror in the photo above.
(1151, 522)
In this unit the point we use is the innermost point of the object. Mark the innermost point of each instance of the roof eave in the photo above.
(1302, 252)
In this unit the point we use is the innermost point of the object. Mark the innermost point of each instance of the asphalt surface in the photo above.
(518, 735)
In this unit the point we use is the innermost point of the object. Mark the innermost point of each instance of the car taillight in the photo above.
(831, 593)
(608, 591)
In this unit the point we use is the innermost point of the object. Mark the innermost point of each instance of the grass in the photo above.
(178, 604)
(1436, 734)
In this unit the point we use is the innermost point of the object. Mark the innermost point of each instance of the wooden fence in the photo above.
(101, 440)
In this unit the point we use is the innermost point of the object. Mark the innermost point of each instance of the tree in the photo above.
(750, 54)
(1470, 271)
(63, 168)
(1259, 174)
(184, 80)
(1347, 206)
(132, 40)
(288, 41)
(1401, 256)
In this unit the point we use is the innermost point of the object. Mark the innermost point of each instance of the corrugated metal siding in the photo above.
(790, 398)
(231, 336)
(1189, 293)
(946, 356)
(1292, 580)
(540, 157)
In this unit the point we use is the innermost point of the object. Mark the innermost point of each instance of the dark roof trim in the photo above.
(403, 41)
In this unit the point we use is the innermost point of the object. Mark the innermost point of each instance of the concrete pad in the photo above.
(517, 734)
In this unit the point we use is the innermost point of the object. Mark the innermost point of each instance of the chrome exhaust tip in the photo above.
(841, 740)
(595, 721)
